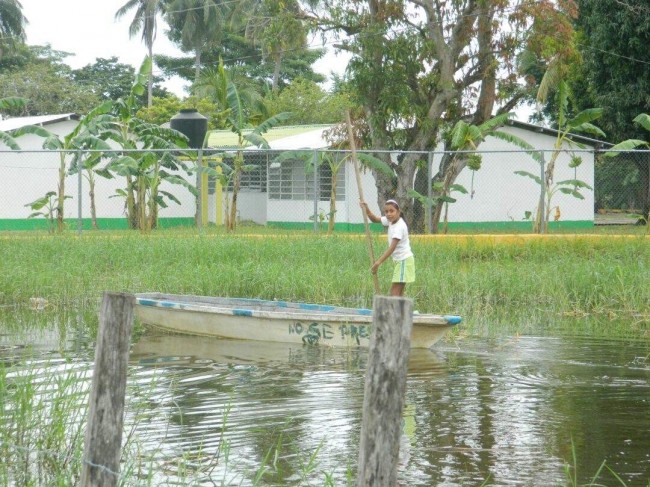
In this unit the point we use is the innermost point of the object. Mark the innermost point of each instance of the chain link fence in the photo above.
(484, 191)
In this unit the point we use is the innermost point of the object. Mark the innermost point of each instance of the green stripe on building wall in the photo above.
(473, 227)
(121, 224)
(72, 224)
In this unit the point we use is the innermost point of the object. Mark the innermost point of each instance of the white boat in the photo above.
(276, 321)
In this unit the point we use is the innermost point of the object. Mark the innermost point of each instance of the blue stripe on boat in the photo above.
(365, 312)
(242, 312)
(167, 304)
(453, 320)
(147, 302)
(315, 307)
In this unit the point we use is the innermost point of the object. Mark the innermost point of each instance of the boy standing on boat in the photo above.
(398, 246)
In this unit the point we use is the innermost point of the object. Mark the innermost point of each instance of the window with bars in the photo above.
(290, 180)
(252, 179)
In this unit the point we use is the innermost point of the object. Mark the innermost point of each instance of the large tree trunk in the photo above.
(197, 64)
(150, 80)
(276, 72)
(450, 167)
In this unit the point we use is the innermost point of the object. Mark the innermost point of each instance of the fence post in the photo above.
(383, 400)
(542, 211)
(103, 440)
(199, 188)
(429, 212)
(314, 162)
(79, 190)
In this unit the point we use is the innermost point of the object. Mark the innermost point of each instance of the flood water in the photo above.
(512, 411)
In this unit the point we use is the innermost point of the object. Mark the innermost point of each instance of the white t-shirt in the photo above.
(400, 231)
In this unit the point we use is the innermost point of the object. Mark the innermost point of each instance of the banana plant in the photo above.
(643, 119)
(242, 112)
(581, 123)
(45, 206)
(149, 156)
(87, 161)
(78, 139)
(568, 186)
(144, 170)
(238, 121)
(463, 141)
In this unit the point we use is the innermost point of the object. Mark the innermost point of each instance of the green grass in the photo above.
(593, 285)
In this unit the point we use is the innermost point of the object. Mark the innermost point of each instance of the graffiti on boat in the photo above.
(313, 333)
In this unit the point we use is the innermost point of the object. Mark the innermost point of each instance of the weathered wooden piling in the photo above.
(103, 440)
(383, 401)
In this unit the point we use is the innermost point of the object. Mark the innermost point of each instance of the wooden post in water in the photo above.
(383, 400)
(103, 441)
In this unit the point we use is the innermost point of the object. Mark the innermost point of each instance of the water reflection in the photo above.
(507, 410)
(503, 409)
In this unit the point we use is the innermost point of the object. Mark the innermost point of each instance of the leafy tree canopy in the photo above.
(241, 55)
(163, 109)
(40, 76)
(309, 103)
(109, 79)
(616, 74)
(418, 68)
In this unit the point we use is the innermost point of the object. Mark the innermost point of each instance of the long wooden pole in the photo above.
(353, 148)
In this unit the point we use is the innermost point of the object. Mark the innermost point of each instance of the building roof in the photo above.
(311, 136)
(281, 138)
(18, 122)
(581, 139)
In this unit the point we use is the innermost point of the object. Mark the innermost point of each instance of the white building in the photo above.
(30, 173)
(280, 192)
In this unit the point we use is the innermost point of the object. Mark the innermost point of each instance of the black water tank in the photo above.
(192, 124)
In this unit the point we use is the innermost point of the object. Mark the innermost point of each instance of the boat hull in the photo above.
(271, 321)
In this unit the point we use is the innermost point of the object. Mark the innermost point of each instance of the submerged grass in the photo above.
(512, 284)
(43, 408)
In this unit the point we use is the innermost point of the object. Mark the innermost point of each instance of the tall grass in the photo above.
(41, 423)
(521, 284)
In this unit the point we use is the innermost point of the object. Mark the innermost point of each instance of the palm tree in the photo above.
(12, 24)
(198, 24)
(145, 21)
(239, 112)
(277, 29)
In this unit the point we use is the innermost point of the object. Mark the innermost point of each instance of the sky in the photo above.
(88, 29)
